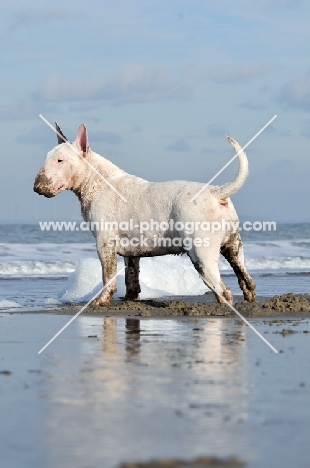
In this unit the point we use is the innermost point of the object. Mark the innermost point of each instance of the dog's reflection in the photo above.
(109, 340)
(132, 337)
(214, 339)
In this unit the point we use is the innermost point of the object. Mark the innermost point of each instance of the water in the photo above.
(35, 267)
(110, 390)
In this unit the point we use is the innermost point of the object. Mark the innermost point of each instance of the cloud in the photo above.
(209, 151)
(261, 101)
(180, 145)
(85, 106)
(253, 104)
(24, 110)
(132, 84)
(305, 129)
(42, 134)
(279, 4)
(35, 15)
(226, 74)
(216, 131)
(287, 133)
(296, 93)
(39, 134)
(136, 129)
(111, 138)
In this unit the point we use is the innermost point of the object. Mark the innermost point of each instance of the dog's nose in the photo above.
(37, 185)
(36, 188)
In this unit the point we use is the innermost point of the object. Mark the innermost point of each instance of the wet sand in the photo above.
(201, 462)
(204, 306)
(122, 390)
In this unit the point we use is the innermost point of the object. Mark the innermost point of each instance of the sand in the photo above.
(203, 306)
(202, 462)
(179, 383)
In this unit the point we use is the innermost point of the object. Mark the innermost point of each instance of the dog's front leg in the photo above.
(107, 256)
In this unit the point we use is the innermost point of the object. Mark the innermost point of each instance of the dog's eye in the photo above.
(60, 160)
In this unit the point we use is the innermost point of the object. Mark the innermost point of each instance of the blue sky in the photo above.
(158, 84)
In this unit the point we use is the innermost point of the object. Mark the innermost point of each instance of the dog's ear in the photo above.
(61, 138)
(82, 139)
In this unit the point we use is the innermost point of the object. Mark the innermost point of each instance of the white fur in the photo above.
(66, 170)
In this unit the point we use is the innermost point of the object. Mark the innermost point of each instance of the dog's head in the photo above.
(64, 167)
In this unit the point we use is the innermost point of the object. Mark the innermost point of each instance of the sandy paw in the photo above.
(102, 301)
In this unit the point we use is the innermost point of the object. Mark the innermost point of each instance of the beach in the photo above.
(157, 152)
(111, 391)
(172, 380)
(42, 270)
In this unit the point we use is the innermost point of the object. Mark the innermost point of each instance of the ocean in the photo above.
(46, 269)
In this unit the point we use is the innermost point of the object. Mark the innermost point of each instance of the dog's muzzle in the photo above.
(42, 185)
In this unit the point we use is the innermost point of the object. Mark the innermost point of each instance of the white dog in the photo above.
(102, 189)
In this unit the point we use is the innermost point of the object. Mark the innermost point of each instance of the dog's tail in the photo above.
(229, 189)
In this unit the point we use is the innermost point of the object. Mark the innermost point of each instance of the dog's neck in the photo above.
(96, 177)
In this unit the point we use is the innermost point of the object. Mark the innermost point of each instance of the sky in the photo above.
(158, 85)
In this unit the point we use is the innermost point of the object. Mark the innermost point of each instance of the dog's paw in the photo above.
(132, 297)
(103, 300)
(228, 295)
(250, 296)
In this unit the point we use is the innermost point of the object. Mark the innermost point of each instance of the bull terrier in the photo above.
(126, 202)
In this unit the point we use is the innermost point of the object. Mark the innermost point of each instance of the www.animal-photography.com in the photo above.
(155, 234)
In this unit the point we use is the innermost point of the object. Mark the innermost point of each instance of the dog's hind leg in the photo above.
(232, 250)
(207, 265)
(132, 278)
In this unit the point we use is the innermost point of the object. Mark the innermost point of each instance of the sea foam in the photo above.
(61, 259)
(5, 304)
(159, 277)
